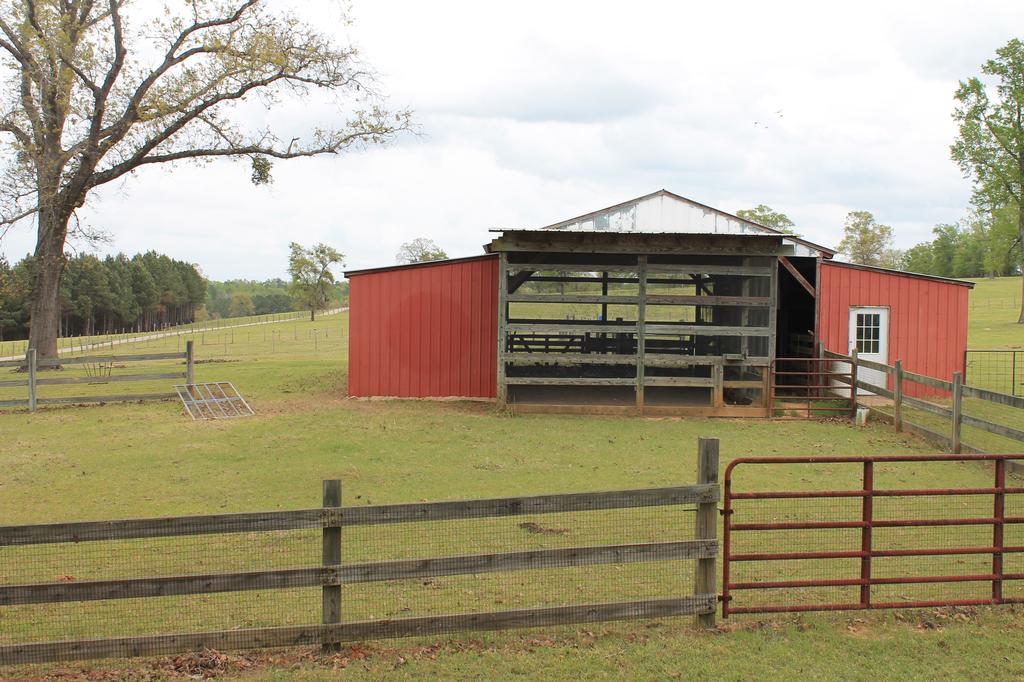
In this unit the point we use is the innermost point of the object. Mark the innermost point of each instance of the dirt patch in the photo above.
(537, 529)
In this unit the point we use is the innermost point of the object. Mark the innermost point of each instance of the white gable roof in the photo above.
(665, 212)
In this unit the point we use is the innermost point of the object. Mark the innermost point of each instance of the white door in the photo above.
(869, 335)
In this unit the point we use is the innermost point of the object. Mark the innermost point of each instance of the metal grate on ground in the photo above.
(213, 400)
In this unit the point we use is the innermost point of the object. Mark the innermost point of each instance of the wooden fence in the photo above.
(333, 573)
(32, 381)
(957, 390)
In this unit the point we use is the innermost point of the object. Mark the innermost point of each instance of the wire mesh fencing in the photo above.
(996, 370)
(334, 574)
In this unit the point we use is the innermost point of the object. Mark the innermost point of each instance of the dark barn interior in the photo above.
(649, 322)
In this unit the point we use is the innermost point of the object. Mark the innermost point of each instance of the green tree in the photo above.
(1003, 245)
(312, 279)
(241, 305)
(990, 144)
(765, 215)
(920, 259)
(93, 94)
(14, 283)
(945, 246)
(867, 242)
(420, 250)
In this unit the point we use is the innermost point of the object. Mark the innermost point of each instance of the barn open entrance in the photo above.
(797, 295)
(660, 324)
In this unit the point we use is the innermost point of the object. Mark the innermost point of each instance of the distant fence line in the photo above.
(332, 622)
(80, 344)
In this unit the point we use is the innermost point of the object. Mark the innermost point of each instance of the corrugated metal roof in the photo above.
(902, 273)
(665, 212)
(424, 264)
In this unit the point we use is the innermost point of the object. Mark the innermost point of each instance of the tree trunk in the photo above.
(48, 266)
(312, 314)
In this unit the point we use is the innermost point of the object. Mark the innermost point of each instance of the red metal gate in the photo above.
(811, 387)
(865, 545)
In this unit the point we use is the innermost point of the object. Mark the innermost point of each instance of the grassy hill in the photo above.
(994, 310)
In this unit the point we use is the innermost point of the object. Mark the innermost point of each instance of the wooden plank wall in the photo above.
(637, 269)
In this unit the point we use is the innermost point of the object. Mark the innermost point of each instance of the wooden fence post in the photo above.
(706, 526)
(897, 397)
(190, 365)
(853, 384)
(958, 390)
(331, 557)
(30, 359)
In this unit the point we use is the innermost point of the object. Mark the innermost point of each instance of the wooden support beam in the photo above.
(773, 322)
(697, 269)
(515, 281)
(603, 299)
(681, 299)
(640, 332)
(570, 359)
(631, 243)
(707, 330)
(604, 294)
(570, 381)
(797, 276)
(572, 267)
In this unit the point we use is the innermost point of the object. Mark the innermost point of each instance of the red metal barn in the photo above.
(889, 316)
(424, 330)
(658, 305)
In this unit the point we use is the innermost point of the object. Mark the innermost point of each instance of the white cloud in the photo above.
(533, 112)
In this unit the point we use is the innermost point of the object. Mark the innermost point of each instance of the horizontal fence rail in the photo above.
(76, 591)
(356, 631)
(955, 391)
(32, 365)
(354, 516)
(818, 565)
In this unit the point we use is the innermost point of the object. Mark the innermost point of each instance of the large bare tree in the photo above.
(95, 89)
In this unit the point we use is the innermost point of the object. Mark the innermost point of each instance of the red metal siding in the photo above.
(927, 318)
(425, 331)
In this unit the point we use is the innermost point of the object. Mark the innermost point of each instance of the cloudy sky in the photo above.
(532, 112)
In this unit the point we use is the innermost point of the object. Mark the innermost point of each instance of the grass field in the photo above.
(994, 310)
(119, 461)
